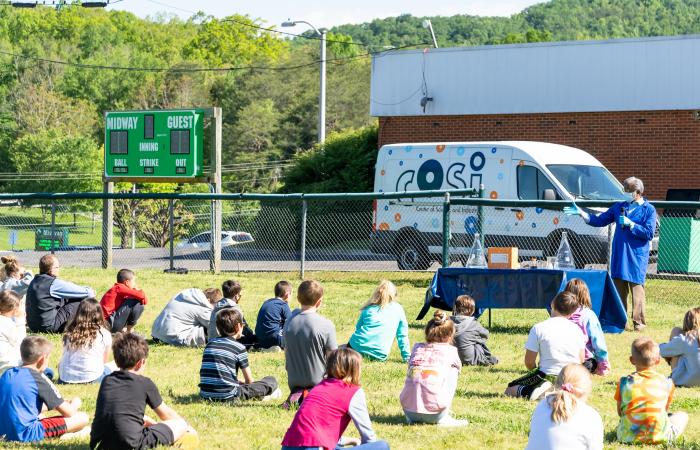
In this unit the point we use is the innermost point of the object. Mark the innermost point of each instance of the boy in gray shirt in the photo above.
(308, 338)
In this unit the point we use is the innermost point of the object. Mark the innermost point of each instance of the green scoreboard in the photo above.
(158, 145)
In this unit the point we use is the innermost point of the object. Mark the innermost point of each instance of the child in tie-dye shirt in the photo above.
(643, 399)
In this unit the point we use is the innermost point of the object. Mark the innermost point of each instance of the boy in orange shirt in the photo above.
(122, 304)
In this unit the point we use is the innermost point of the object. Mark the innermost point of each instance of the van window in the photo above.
(532, 183)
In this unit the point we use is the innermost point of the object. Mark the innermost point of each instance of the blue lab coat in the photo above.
(630, 248)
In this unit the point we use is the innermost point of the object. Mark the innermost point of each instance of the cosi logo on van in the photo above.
(431, 175)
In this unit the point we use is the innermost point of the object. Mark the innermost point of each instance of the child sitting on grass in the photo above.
(272, 316)
(185, 319)
(87, 344)
(231, 291)
(12, 330)
(330, 406)
(123, 303)
(470, 336)
(596, 351)
(643, 399)
(17, 278)
(558, 342)
(308, 338)
(431, 380)
(683, 351)
(381, 318)
(26, 393)
(223, 357)
(120, 423)
(563, 420)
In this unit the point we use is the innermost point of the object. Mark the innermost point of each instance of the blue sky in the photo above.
(325, 13)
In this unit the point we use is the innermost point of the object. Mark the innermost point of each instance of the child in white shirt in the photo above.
(563, 420)
(12, 330)
(87, 344)
(558, 342)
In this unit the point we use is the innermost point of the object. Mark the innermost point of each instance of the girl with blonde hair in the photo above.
(596, 350)
(431, 380)
(563, 420)
(381, 319)
(683, 350)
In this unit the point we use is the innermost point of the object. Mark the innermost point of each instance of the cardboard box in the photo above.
(503, 258)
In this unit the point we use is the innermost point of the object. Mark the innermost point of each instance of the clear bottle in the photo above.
(477, 258)
(565, 258)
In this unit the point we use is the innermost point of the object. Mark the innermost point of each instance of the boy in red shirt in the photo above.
(122, 304)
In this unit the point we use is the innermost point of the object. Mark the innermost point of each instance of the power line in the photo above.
(304, 36)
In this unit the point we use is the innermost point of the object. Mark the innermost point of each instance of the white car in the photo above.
(201, 241)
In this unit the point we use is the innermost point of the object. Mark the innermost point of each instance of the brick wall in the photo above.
(660, 147)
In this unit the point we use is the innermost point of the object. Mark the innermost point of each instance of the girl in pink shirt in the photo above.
(330, 406)
(431, 381)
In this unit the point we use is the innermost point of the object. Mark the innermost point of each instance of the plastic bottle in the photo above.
(477, 258)
(565, 258)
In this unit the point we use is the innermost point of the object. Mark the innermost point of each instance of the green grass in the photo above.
(82, 229)
(495, 421)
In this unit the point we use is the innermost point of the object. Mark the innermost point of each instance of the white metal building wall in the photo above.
(582, 76)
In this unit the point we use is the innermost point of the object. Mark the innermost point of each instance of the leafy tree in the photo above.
(344, 163)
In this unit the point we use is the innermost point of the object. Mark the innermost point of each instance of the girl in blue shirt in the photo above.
(381, 318)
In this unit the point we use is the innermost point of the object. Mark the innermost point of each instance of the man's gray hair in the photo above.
(633, 184)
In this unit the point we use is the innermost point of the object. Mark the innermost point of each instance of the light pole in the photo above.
(322, 95)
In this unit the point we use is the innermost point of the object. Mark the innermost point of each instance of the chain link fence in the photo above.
(333, 233)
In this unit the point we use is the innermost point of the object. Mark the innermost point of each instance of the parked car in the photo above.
(202, 241)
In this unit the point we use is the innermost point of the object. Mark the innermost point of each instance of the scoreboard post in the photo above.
(161, 146)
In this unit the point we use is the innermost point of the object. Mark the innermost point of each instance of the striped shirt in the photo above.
(222, 358)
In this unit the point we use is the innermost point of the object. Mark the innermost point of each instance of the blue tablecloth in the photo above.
(524, 288)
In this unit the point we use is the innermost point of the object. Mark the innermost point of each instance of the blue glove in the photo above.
(574, 210)
(625, 221)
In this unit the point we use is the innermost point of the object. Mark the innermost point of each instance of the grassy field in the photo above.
(84, 229)
(495, 421)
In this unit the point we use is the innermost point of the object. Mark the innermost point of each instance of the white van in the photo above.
(411, 229)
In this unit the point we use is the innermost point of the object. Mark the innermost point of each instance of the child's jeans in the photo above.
(376, 445)
(450, 388)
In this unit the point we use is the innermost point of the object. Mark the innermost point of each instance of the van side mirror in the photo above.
(549, 194)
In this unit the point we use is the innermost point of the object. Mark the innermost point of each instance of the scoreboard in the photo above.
(162, 144)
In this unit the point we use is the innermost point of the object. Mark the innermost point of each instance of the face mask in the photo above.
(629, 196)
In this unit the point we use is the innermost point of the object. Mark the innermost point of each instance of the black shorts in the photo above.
(155, 436)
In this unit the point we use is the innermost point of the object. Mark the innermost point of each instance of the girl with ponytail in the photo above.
(431, 381)
(563, 420)
(16, 278)
(381, 319)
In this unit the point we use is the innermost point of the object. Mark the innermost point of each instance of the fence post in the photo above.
(480, 215)
(302, 256)
(53, 225)
(446, 231)
(171, 232)
(107, 226)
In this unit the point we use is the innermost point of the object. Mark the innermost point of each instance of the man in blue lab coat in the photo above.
(636, 222)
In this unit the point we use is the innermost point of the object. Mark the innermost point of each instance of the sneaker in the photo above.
(273, 349)
(188, 441)
(276, 395)
(639, 327)
(449, 421)
(541, 390)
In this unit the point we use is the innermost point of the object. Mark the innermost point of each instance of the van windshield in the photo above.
(588, 182)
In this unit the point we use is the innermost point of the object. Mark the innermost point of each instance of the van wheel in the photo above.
(412, 255)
